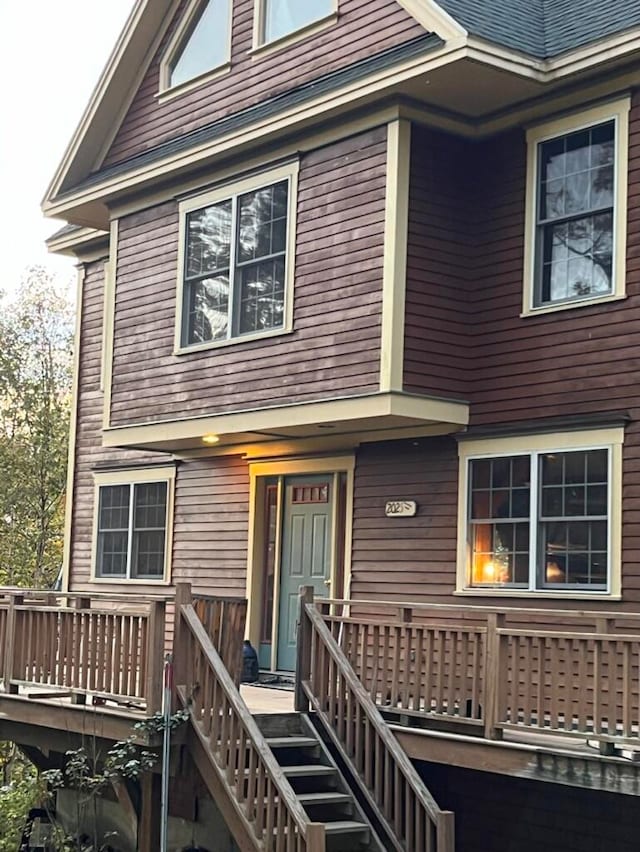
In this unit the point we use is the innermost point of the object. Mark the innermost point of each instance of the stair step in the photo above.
(328, 798)
(346, 826)
(309, 770)
(291, 742)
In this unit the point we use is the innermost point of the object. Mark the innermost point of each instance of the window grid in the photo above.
(590, 541)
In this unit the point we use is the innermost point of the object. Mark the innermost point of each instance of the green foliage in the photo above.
(35, 392)
(22, 790)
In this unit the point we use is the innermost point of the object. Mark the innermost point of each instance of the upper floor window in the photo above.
(236, 263)
(542, 519)
(577, 209)
(133, 525)
(279, 18)
(200, 44)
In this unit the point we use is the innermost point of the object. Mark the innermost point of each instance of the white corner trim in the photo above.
(434, 18)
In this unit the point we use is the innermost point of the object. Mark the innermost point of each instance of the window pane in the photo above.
(114, 507)
(577, 258)
(286, 16)
(149, 522)
(263, 222)
(207, 44)
(262, 296)
(574, 551)
(208, 310)
(209, 239)
(112, 554)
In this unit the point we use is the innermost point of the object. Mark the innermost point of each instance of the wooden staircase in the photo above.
(287, 782)
(318, 783)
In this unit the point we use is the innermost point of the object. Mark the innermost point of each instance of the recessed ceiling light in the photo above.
(210, 439)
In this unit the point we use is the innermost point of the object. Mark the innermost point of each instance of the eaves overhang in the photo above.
(376, 416)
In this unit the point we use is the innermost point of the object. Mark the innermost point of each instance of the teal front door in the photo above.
(307, 537)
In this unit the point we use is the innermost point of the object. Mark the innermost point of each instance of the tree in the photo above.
(35, 393)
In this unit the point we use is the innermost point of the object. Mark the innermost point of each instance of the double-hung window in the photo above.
(577, 209)
(132, 526)
(236, 261)
(541, 519)
(278, 18)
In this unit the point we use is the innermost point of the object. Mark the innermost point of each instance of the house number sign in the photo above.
(400, 508)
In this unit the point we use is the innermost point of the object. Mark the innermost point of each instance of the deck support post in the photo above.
(149, 819)
(10, 645)
(493, 677)
(303, 650)
(155, 658)
(181, 665)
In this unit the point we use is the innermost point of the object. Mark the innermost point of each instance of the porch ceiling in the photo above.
(372, 417)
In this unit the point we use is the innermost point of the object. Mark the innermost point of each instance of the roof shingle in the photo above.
(544, 28)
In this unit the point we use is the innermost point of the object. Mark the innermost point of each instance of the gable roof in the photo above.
(544, 28)
(541, 29)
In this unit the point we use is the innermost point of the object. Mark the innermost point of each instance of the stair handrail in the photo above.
(312, 833)
(315, 634)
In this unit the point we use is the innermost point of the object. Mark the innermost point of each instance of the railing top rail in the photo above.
(255, 734)
(426, 799)
(481, 609)
(215, 599)
(133, 611)
(38, 594)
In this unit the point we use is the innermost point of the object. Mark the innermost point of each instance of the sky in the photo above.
(52, 53)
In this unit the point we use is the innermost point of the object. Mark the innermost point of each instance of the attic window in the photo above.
(200, 44)
(280, 18)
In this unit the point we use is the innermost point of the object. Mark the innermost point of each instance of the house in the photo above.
(357, 283)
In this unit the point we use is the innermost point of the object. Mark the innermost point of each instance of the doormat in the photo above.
(276, 681)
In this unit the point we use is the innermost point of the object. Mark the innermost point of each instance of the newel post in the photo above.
(492, 677)
(181, 662)
(10, 644)
(303, 651)
(155, 657)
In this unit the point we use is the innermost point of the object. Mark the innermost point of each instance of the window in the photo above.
(200, 44)
(132, 525)
(236, 263)
(544, 519)
(577, 209)
(278, 18)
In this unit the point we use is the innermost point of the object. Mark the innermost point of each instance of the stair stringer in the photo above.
(213, 777)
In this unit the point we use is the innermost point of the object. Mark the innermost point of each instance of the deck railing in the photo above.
(266, 803)
(104, 645)
(410, 815)
(574, 673)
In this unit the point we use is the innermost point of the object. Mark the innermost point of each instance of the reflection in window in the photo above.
(281, 17)
(575, 215)
(206, 45)
(555, 537)
(235, 266)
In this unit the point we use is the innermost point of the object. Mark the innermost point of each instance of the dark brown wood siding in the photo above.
(334, 349)
(439, 261)
(364, 27)
(211, 507)
(502, 814)
(414, 559)
(88, 449)
(211, 525)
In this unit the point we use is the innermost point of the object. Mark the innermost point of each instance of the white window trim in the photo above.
(260, 46)
(288, 172)
(617, 111)
(134, 477)
(611, 439)
(176, 42)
